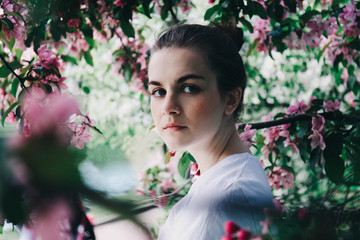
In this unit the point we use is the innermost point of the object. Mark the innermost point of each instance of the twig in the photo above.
(21, 80)
(351, 119)
(176, 20)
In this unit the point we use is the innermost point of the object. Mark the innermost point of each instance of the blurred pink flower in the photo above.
(54, 223)
(349, 98)
(266, 118)
(119, 3)
(332, 105)
(167, 184)
(271, 134)
(349, 19)
(49, 114)
(247, 135)
(260, 33)
(318, 123)
(345, 76)
(292, 144)
(185, 5)
(74, 23)
(298, 108)
(317, 140)
(11, 118)
(211, 1)
(46, 59)
(279, 177)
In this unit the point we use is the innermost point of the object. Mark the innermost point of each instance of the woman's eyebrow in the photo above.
(180, 80)
(189, 76)
(154, 83)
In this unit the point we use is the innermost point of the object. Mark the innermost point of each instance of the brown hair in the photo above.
(219, 44)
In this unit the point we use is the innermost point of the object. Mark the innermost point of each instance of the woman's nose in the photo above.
(171, 105)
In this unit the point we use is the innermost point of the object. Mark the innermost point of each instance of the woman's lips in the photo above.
(174, 126)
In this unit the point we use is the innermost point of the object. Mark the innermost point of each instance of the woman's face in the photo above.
(185, 101)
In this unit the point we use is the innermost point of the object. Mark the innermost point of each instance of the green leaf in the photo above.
(145, 5)
(337, 60)
(303, 148)
(88, 58)
(4, 71)
(86, 89)
(211, 12)
(184, 163)
(14, 87)
(7, 112)
(128, 73)
(291, 4)
(334, 144)
(314, 158)
(318, 102)
(8, 23)
(164, 12)
(355, 44)
(68, 58)
(260, 10)
(303, 129)
(247, 24)
(87, 31)
(127, 28)
(308, 15)
(334, 168)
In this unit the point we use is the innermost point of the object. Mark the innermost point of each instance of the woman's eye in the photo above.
(191, 89)
(158, 92)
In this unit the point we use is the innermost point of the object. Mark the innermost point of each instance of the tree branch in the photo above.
(350, 119)
(176, 20)
(21, 80)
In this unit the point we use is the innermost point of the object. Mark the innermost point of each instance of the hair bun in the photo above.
(234, 32)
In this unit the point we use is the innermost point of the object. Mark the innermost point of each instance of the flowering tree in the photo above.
(320, 126)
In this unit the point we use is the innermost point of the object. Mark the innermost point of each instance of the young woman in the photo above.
(196, 81)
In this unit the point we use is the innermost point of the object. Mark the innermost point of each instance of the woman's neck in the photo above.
(225, 143)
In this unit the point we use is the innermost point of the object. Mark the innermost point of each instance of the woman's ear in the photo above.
(233, 99)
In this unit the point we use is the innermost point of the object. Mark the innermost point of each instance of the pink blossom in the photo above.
(292, 144)
(211, 1)
(185, 5)
(162, 202)
(317, 140)
(349, 19)
(318, 123)
(266, 118)
(266, 150)
(74, 23)
(119, 3)
(271, 134)
(298, 108)
(194, 169)
(11, 118)
(345, 76)
(54, 223)
(167, 184)
(46, 59)
(332, 106)
(349, 98)
(247, 135)
(49, 114)
(81, 131)
(260, 33)
(279, 177)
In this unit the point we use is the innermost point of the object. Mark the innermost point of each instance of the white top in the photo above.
(235, 188)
